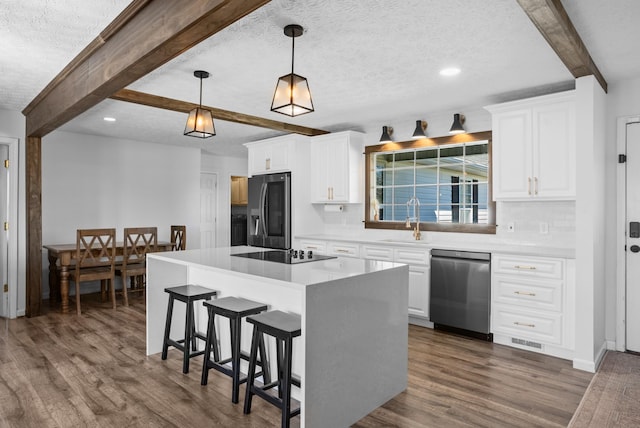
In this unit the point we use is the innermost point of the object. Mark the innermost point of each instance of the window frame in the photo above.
(369, 223)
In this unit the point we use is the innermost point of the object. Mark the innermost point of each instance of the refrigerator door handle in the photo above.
(263, 208)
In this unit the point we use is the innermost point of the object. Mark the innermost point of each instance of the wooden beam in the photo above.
(551, 19)
(33, 173)
(148, 36)
(185, 107)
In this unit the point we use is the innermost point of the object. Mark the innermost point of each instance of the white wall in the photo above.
(93, 182)
(224, 167)
(13, 125)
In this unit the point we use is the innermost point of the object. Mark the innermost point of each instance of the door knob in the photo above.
(635, 248)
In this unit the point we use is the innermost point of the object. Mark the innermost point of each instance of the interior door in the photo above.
(633, 237)
(4, 233)
(208, 209)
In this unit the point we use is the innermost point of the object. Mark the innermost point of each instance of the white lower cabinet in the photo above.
(532, 303)
(419, 273)
(319, 247)
(419, 279)
(343, 249)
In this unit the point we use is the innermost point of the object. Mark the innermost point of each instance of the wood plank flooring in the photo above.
(67, 371)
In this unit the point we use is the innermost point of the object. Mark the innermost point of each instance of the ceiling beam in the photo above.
(185, 107)
(145, 36)
(551, 19)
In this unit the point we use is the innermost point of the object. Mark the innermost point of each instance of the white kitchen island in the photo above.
(352, 355)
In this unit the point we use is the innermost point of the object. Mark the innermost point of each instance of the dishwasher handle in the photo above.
(454, 254)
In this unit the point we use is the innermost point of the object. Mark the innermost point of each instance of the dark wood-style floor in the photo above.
(68, 371)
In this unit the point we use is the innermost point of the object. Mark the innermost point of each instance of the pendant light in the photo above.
(386, 134)
(292, 96)
(421, 126)
(200, 122)
(456, 127)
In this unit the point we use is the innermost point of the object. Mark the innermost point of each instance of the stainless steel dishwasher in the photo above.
(461, 292)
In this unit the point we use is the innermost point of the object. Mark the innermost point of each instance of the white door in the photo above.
(633, 237)
(208, 209)
(4, 233)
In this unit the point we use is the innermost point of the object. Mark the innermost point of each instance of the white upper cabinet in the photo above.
(534, 148)
(337, 168)
(272, 155)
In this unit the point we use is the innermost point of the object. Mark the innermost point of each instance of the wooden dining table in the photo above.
(61, 257)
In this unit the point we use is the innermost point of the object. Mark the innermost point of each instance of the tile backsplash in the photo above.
(548, 223)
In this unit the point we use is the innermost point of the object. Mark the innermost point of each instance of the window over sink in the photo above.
(445, 183)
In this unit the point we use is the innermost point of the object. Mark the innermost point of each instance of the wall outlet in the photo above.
(544, 228)
(511, 227)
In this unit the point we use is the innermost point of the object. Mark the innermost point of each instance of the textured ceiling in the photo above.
(368, 63)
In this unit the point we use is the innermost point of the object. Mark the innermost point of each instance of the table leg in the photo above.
(64, 288)
(54, 280)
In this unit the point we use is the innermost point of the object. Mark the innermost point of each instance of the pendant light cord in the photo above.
(201, 92)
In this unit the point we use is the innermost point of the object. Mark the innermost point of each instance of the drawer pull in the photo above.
(341, 251)
(525, 267)
(524, 293)
(311, 247)
(524, 324)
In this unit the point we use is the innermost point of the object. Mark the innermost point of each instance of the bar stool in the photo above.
(235, 309)
(284, 327)
(187, 294)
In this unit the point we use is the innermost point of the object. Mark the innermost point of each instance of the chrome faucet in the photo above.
(415, 203)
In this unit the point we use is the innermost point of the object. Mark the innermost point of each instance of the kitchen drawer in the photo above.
(540, 267)
(319, 247)
(343, 249)
(527, 324)
(411, 256)
(377, 253)
(541, 294)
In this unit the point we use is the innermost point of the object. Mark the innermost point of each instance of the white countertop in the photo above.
(489, 247)
(301, 274)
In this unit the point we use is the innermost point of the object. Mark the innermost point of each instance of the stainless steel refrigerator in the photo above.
(269, 211)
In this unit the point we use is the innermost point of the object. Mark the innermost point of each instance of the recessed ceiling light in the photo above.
(109, 119)
(450, 71)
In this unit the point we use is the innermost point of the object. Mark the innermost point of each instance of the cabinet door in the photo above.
(330, 169)
(279, 156)
(419, 277)
(511, 157)
(320, 170)
(554, 156)
(338, 169)
(259, 161)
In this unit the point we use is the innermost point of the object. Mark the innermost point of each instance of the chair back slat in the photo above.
(138, 241)
(95, 248)
(179, 238)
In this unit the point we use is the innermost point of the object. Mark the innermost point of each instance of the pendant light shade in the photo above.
(421, 126)
(456, 127)
(200, 122)
(386, 134)
(292, 95)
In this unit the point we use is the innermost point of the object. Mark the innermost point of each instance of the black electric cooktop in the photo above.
(289, 257)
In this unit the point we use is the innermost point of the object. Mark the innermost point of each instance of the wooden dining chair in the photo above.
(179, 238)
(95, 260)
(138, 241)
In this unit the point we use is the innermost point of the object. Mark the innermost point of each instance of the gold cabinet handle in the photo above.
(524, 324)
(332, 193)
(535, 185)
(267, 163)
(342, 251)
(524, 293)
(311, 247)
(529, 185)
(525, 267)
(328, 193)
